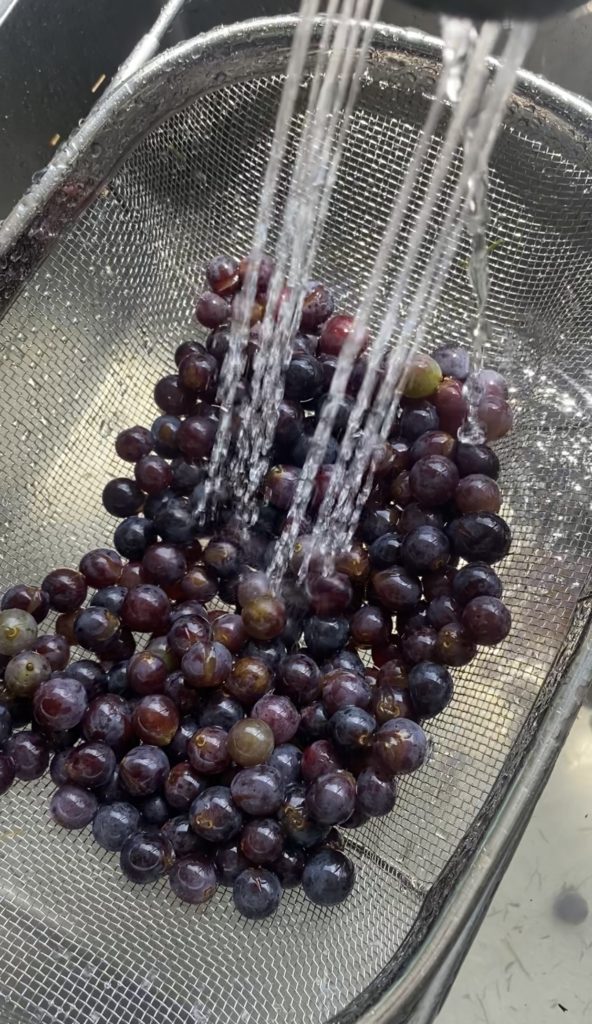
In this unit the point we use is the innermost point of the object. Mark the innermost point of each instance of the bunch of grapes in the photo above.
(219, 730)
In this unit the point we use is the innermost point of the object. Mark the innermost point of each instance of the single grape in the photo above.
(143, 770)
(90, 765)
(286, 759)
(250, 742)
(477, 458)
(376, 794)
(185, 477)
(431, 689)
(57, 767)
(454, 646)
(391, 701)
(396, 589)
(296, 821)
(418, 418)
(392, 671)
(352, 728)
(325, 635)
(196, 437)
(155, 719)
(280, 714)
(122, 497)
(146, 609)
(207, 750)
(338, 330)
(300, 678)
(108, 719)
(221, 710)
(451, 405)
(73, 807)
(304, 378)
(346, 659)
(495, 416)
(256, 893)
(193, 879)
(419, 644)
(249, 679)
(264, 618)
(101, 568)
(146, 673)
(314, 721)
(318, 759)
(453, 361)
(155, 810)
(182, 786)
(212, 310)
(289, 866)
(354, 563)
(198, 374)
(422, 376)
(171, 396)
(7, 773)
(159, 646)
(33, 600)
(480, 536)
(385, 551)
(229, 630)
(24, 674)
(207, 664)
(487, 620)
(133, 536)
(318, 306)
(59, 703)
(476, 580)
(94, 627)
(328, 877)
(182, 837)
(114, 823)
(153, 474)
(434, 442)
(18, 631)
(133, 443)
(177, 748)
(376, 522)
(400, 490)
(343, 688)
(262, 841)
(222, 558)
(425, 549)
(433, 480)
(29, 754)
(146, 857)
(400, 747)
(175, 523)
(214, 816)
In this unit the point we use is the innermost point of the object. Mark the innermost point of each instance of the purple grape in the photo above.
(258, 790)
(441, 611)
(324, 636)
(431, 689)
(376, 795)
(286, 759)
(400, 747)
(143, 770)
(230, 862)
(262, 841)
(344, 689)
(318, 759)
(146, 857)
(352, 728)
(73, 807)
(433, 480)
(289, 866)
(385, 551)
(296, 821)
(328, 877)
(476, 580)
(182, 786)
(480, 536)
(193, 879)
(487, 620)
(222, 711)
(108, 719)
(418, 418)
(454, 645)
(419, 644)
(214, 816)
(396, 589)
(331, 798)
(256, 893)
(425, 549)
(300, 678)
(184, 840)
(114, 823)
(133, 443)
(90, 765)
(280, 715)
(477, 458)
(60, 703)
(453, 361)
(207, 750)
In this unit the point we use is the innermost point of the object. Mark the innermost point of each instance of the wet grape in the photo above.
(480, 536)
(146, 856)
(250, 742)
(73, 807)
(18, 631)
(376, 794)
(207, 750)
(114, 823)
(431, 689)
(328, 877)
(262, 841)
(214, 816)
(29, 754)
(400, 747)
(487, 620)
(143, 770)
(90, 765)
(256, 893)
(193, 879)
(155, 719)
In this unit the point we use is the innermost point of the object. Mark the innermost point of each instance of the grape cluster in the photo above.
(224, 746)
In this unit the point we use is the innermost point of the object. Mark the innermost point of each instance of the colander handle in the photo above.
(148, 45)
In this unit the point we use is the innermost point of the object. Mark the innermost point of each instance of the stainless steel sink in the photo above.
(51, 56)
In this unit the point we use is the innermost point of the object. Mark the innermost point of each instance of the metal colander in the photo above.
(165, 173)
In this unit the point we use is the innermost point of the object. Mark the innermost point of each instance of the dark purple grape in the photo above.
(477, 458)
(212, 310)
(487, 620)
(352, 728)
(256, 893)
(400, 490)
(280, 486)
(396, 589)
(182, 786)
(318, 759)
(24, 674)
(331, 798)
(434, 442)
(296, 821)
(132, 575)
(108, 719)
(369, 626)
(304, 378)
(290, 422)
(146, 673)
(354, 563)
(7, 773)
(441, 611)
(289, 866)
(391, 701)
(101, 568)
(376, 522)
(155, 719)
(419, 644)
(346, 659)
(5, 724)
(91, 765)
(280, 715)
(184, 840)
(328, 877)
(337, 330)
(193, 879)
(477, 493)
(153, 474)
(29, 753)
(185, 476)
(146, 609)
(171, 396)
(207, 750)
(314, 721)
(453, 361)
(385, 551)
(95, 627)
(221, 711)
(324, 635)
(230, 861)
(433, 480)
(133, 443)
(262, 841)
(113, 791)
(454, 645)
(143, 770)
(214, 816)
(33, 600)
(133, 536)
(165, 431)
(222, 273)
(376, 795)
(159, 646)
(196, 437)
(439, 584)
(451, 405)
(122, 497)
(59, 703)
(476, 580)
(114, 823)
(175, 523)
(198, 374)
(431, 688)
(250, 679)
(228, 629)
(222, 558)
(286, 759)
(400, 747)
(418, 418)
(66, 590)
(329, 594)
(300, 678)
(164, 563)
(146, 857)
(253, 585)
(480, 536)
(264, 618)
(425, 549)
(155, 810)
(186, 632)
(73, 807)
(342, 688)
(177, 748)
(207, 664)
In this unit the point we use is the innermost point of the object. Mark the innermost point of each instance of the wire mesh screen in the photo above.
(81, 350)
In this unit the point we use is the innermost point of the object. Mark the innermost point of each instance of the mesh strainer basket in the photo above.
(164, 173)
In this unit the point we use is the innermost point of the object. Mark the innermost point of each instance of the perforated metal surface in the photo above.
(81, 350)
